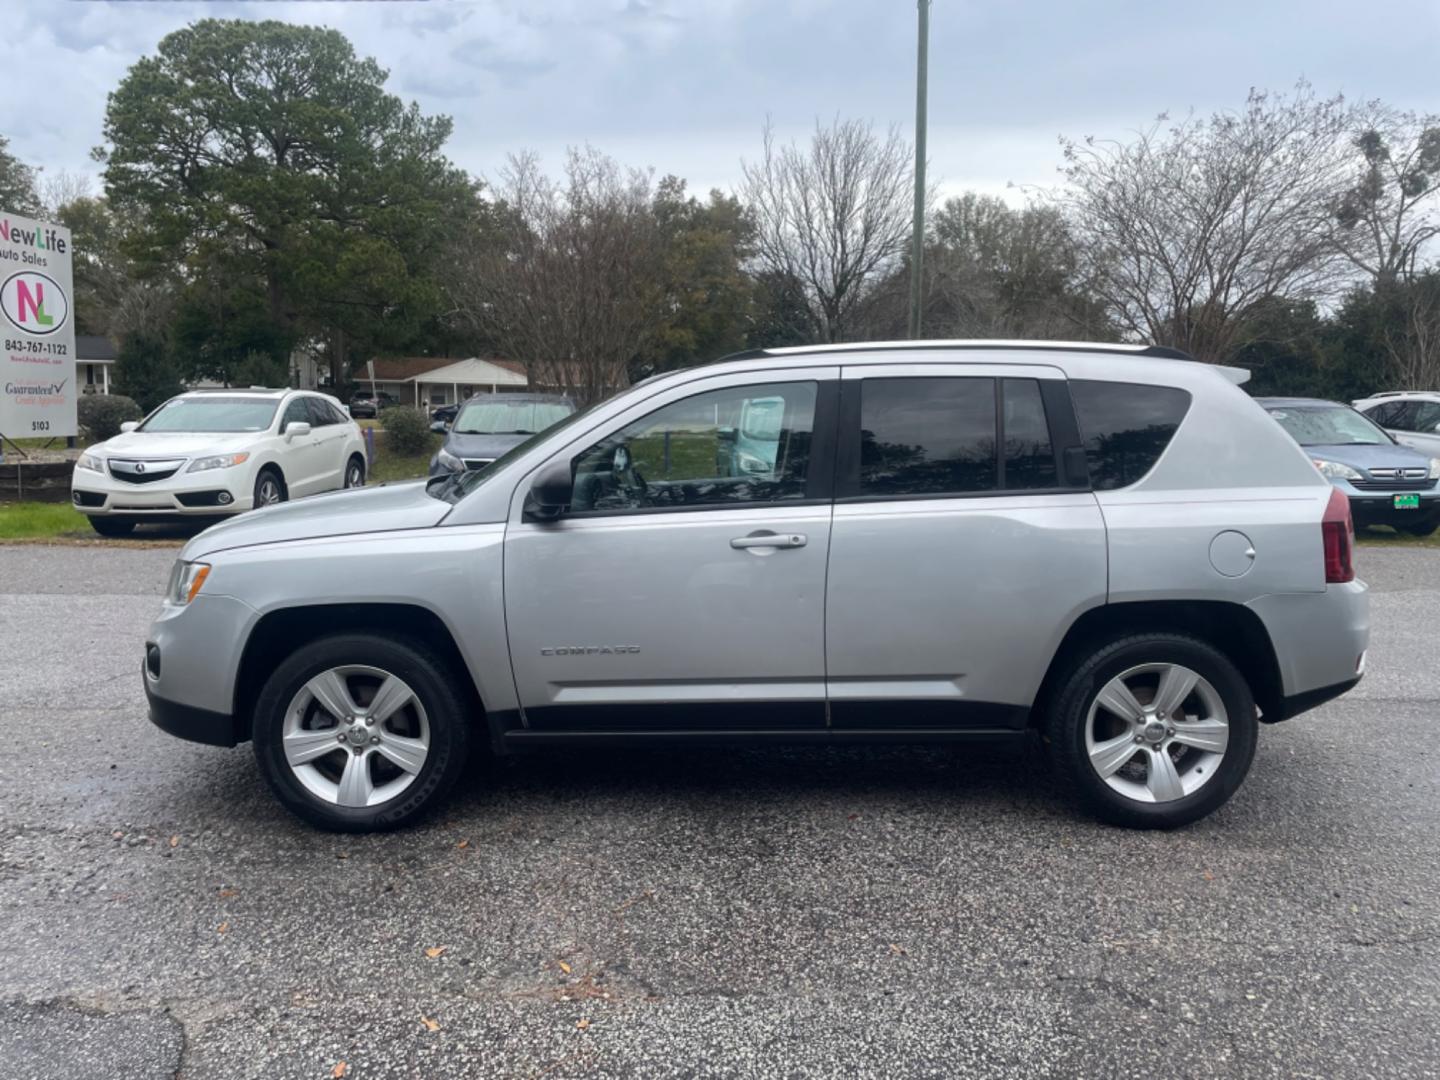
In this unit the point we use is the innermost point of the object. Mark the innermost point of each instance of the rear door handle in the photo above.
(769, 540)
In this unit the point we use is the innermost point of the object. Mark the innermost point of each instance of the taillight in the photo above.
(1338, 531)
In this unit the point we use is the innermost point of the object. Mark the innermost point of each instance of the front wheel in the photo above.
(358, 733)
(269, 488)
(1153, 731)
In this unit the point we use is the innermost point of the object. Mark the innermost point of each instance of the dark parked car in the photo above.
(1386, 483)
(488, 425)
(445, 414)
(365, 405)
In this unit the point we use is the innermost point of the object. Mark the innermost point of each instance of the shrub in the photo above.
(407, 430)
(102, 414)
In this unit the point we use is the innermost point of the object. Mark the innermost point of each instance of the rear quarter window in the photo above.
(1125, 427)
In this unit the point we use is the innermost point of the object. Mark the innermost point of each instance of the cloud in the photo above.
(685, 85)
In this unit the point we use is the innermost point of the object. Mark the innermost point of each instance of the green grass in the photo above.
(390, 466)
(40, 521)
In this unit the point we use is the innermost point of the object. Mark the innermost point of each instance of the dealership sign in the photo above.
(37, 363)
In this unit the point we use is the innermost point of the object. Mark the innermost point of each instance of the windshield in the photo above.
(1329, 425)
(218, 414)
(456, 486)
(509, 417)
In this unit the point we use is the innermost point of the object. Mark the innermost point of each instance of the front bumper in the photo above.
(188, 722)
(1376, 506)
(205, 494)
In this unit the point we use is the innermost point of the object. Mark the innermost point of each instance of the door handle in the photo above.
(769, 540)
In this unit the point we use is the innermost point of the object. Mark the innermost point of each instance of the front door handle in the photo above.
(769, 540)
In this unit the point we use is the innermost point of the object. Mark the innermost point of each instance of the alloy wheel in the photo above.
(1157, 732)
(354, 475)
(268, 493)
(356, 736)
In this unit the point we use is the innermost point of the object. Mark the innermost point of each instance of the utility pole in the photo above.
(917, 253)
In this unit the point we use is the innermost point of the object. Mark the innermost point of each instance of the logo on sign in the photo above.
(33, 303)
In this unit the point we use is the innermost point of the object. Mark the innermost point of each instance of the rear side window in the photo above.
(1125, 427)
(927, 436)
(953, 436)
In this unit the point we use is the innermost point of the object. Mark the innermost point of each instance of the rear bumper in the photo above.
(1298, 703)
(1319, 640)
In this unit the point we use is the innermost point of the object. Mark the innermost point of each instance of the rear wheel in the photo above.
(1420, 528)
(112, 526)
(355, 472)
(1153, 731)
(358, 733)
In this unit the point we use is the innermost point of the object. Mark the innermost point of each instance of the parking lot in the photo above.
(907, 911)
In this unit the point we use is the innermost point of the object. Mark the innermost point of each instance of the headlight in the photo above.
(450, 461)
(93, 463)
(219, 461)
(1435, 468)
(186, 580)
(1335, 471)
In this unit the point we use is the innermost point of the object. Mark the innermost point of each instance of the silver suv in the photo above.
(927, 542)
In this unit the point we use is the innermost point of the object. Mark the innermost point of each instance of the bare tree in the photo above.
(1190, 225)
(1387, 212)
(567, 277)
(835, 217)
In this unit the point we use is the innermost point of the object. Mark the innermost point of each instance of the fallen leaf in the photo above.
(463, 844)
(225, 894)
(340, 1070)
(434, 951)
(582, 1023)
(430, 1025)
(342, 854)
(1208, 876)
(222, 928)
(174, 841)
(564, 966)
(897, 950)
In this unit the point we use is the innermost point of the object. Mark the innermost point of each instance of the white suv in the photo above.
(1412, 416)
(217, 452)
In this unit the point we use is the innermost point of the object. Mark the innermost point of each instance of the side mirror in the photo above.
(129, 425)
(439, 427)
(296, 428)
(551, 492)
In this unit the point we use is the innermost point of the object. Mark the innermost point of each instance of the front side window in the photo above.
(1393, 414)
(1125, 427)
(319, 412)
(743, 444)
(211, 414)
(297, 412)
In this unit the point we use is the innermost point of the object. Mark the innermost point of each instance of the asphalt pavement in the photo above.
(748, 913)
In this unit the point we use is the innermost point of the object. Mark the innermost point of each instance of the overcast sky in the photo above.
(684, 86)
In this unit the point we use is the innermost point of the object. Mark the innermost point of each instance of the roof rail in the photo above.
(1153, 351)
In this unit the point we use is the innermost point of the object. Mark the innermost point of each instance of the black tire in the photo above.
(1066, 722)
(434, 686)
(1420, 528)
(112, 526)
(354, 471)
(267, 480)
